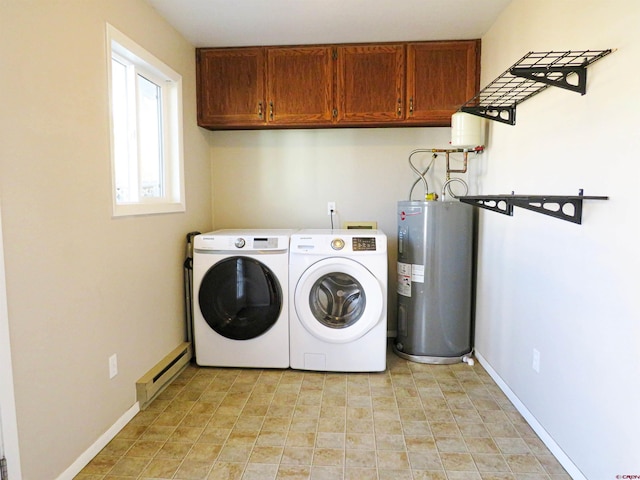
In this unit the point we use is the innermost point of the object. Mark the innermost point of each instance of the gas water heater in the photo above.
(435, 272)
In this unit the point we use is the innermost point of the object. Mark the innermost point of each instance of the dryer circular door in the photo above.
(338, 300)
(240, 298)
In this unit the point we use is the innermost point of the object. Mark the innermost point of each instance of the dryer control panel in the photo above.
(243, 240)
(265, 242)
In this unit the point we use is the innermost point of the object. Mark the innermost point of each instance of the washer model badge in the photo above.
(337, 244)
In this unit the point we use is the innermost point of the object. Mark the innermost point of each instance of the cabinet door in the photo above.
(441, 76)
(299, 85)
(370, 83)
(230, 87)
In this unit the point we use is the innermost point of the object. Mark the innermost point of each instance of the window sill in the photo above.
(125, 210)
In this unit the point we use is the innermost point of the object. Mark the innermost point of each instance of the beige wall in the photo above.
(569, 291)
(82, 285)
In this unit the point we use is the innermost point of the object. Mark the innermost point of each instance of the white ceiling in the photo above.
(218, 23)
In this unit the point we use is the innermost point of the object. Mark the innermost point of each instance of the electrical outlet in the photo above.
(113, 365)
(331, 208)
(535, 364)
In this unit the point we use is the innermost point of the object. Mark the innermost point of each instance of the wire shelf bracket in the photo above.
(530, 75)
(564, 207)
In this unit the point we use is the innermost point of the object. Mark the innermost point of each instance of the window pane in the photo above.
(147, 163)
(150, 139)
(121, 134)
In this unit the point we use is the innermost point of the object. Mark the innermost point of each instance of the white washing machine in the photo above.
(338, 300)
(240, 297)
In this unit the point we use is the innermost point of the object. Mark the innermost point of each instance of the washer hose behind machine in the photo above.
(188, 289)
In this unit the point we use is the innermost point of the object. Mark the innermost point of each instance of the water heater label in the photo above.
(417, 273)
(404, 279)
(407, 274)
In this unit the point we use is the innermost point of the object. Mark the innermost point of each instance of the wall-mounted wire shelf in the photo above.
(528, 76)
(564, 207)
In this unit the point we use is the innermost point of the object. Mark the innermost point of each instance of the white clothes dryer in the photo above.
(338, 300)
(241, 306)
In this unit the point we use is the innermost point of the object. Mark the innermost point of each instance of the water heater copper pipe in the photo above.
(464, 170)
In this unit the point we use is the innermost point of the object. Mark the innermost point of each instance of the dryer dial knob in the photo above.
(240, 242)
(337, 244)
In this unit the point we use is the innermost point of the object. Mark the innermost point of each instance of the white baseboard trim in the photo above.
(99, 444)
(553, 447)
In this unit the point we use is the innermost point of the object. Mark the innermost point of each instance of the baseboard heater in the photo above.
(156, 379)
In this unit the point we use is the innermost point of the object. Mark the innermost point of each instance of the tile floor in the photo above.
(414, 421)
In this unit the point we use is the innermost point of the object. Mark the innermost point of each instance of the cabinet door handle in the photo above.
(411, 106)
(399, 107)
(260, 110)
(270, 110)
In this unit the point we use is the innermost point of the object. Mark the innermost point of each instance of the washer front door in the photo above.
(240, 298)
(338, 300)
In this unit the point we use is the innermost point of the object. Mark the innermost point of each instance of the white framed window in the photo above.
(145, 97)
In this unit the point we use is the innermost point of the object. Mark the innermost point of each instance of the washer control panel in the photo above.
(342, 242)
(364, 244)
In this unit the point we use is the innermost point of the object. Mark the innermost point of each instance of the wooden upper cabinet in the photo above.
(370, 83)
(389, 84)
(441, 76)
(299, 85)
(231, 87)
